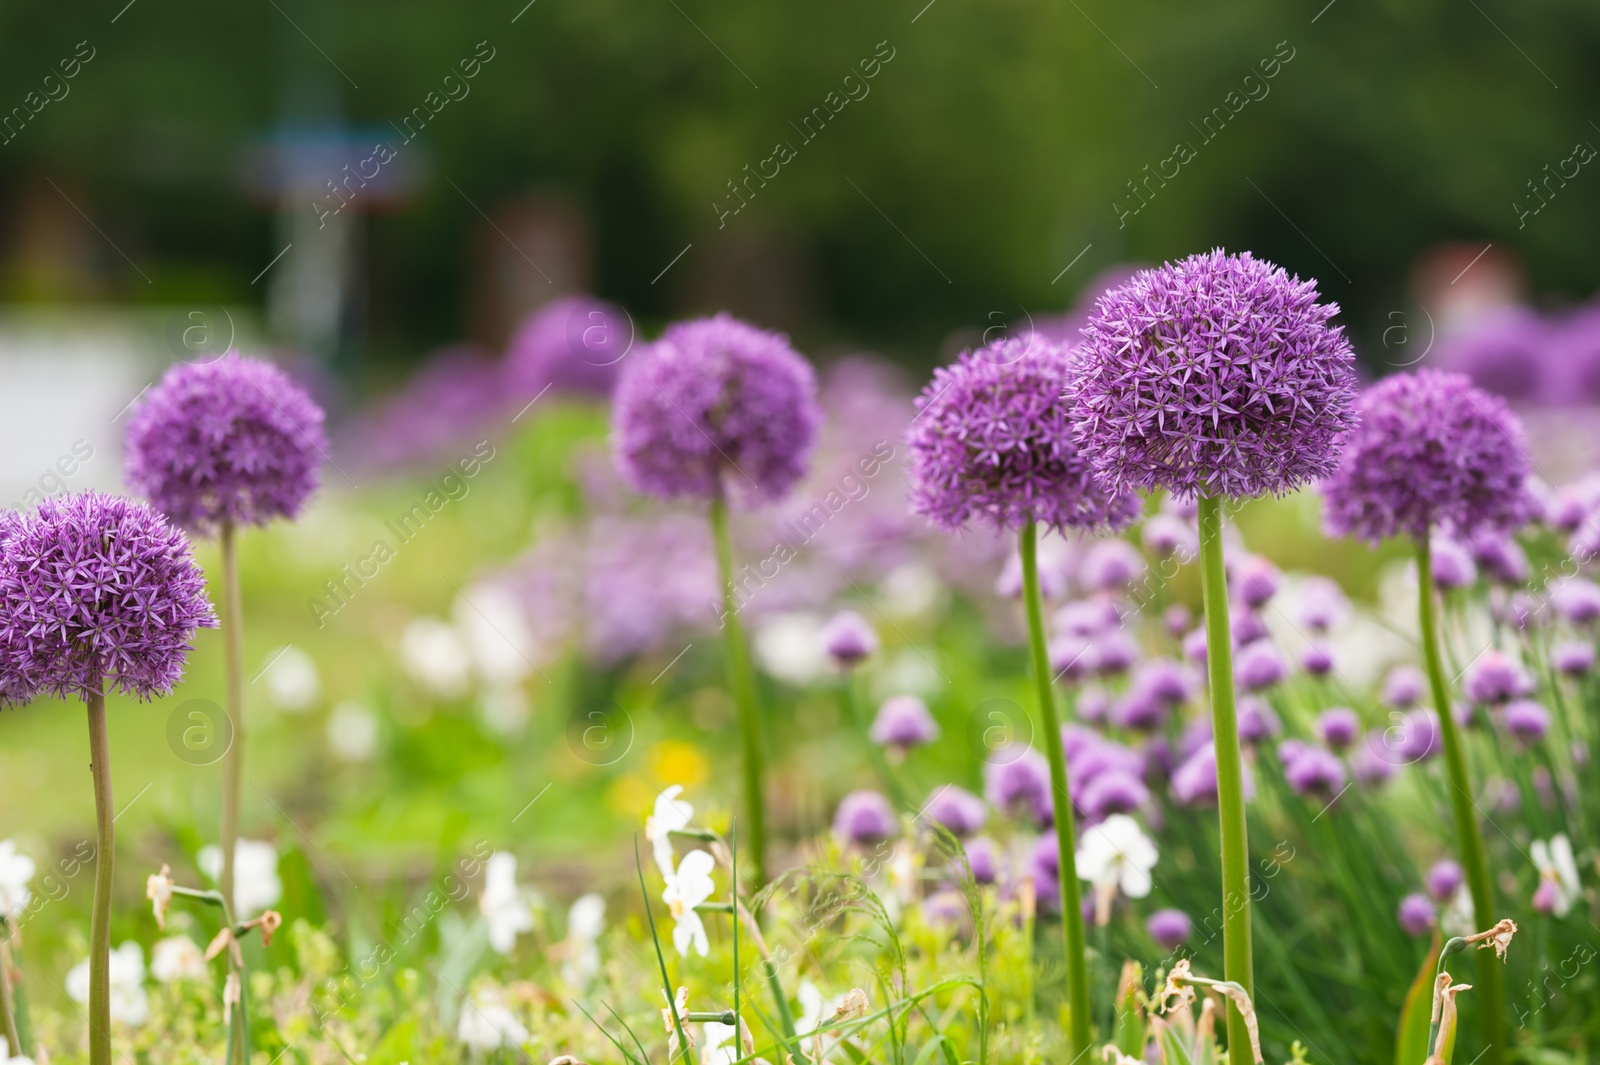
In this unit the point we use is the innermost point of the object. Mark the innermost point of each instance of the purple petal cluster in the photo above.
(234, 441)
(1416, 914)
(903, 721)
(958, 810)
(1217, 375)
(1169, 928)
(865, 817)
(848, 639)
(1432, 452)
(992, 442)
(96, 590)
(716, 405)
(573, 344)
(1312, 770)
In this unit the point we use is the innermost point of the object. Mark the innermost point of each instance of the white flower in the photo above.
(431, 652)
(1557, 865)
(1458, 918)
(7, 1059)
(814, 1008)
(789, 646)
(585, 921)
(129, 1003)
(353, 732)
(15, 872)
(717, 1034)
(256, 886)
(912, 591)
(292, 681)
(177, 958)
(1117, 853)
(486, 1024)
(687, 888)
(495, 632)
(503, 904)
(671, 815)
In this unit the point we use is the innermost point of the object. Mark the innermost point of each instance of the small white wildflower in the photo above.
(256, 886)
(292, 681)
(353, 732)
(432, 654)
(1117, 853)
(15, 871)
(129, 1003)
(177, 958)
(671, 815)
(1557, 864)
(503, 904)
(687, 888)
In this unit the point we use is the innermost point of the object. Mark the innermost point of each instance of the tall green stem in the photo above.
(1236, 938)
(1071, 906)
(100, 919)
(1492, 1005)
(233, 694)
(742, 680)
(880, 762)
(8, 1017)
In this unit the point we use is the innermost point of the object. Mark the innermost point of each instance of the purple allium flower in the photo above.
(233, 441)
(1072, 658)
(1502, 350)
(575, 343)
(1087, 617)
(95, 589)
(1444, 879)
(1257, 579)
(1521, 611)
(1109, 565)
(1176, 619)
(1114, 652)
(1322, 603)
(1416, 914)
(1577, 599)
(1317, 660)
(1089, 754)
(1314, 771)
(1194, 783)
(1575, 658)
(1339, 727)
(1159, 761)
(1169, 928)
(1565, 510)
(946, 909)
(865, 817)
(1367, 765)
(1164, 679)
(1194, 646)
(1494, 679)
(984, 859)
(1257, 721)
(1139, 710)
(1546, 896)
(1451, 565)
(1044, 863)
(1500, 556)
(903, 721)
(1093, 705)
(957, 809)
(1260, 666)
(1020, 786)
(1432, 452)
(1414, 737)
(1403, 685)
(848, 639)
(1290, 749)
(715, 404)
(1168, 536)
(1215, 375)
(1115, 791)
(993, 442)
(1246, 626)
(1526, 720)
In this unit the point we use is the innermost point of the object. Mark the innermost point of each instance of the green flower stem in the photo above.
(100, 920)
(8, 1022)
(742, 679)
(233, 697)
(1489, 980)
(875, 755)
(11, 956)
(1236, 938)
(1078, 1045)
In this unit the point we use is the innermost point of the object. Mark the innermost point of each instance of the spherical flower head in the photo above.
(1314, 771)
(1260, 666)
(1115, 791)
(992, 442)
(1256, 580)
(1163, 679)
(1432, 452)
(1371, 763)
(984, 858)
(1577, 599)
(1169, 536)
(1217, 375)
(716, 405)
(574, 344)
(1317, 660)
(1109, 565)
(1139, 710)
(1087, 617)
(1402, 686)
(1257, 720)
(1246, 625)
(1494, 679)
(1044, 862)
(1416, 914)
(1526, 720)
(1169, 928)
(1194, 783)
(903, 722)
(848, 639)
(958, 810)
(1114, 652)
(1574, 658)
(865, 817)
(1451, 565)
(1416, 738)
(1500, 556)
(1176, 619)
(1322, 603)
(1072, 658)
(98, 589)
(1339, 727)
(233, 441)
(1020, 785)
(1445, 879)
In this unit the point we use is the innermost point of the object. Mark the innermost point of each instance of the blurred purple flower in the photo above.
(1317, 660)
(1451, 565)
(1314, 771)
(1257, 720)
(573, 344)
(1257, 579)
(1402, 686)
(957, 809)
(1339, 727)
(1168, 536)
(1503, 351)
(1575, 658)
(1218, 374)
(903, 722)
(1416, 914)
(1259, 666)
(848, 639)
(1115, 791)
(1493, 678)
(1322, 603)
(1169, 928)
(1110, 565)
(1526, 720)
(1576, 599)
(984, 859)
(1020, 786)
(1500, 556)
(1444, 879)
(1247, 626)
(234, 441)
(1114, 652)
(865, 817)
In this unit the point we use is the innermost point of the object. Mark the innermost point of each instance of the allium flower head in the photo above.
(1432, 452)
(848, 639)
(230, 441)
(1444, 879)
(957, 809)
(95, 589)
(1526, 720)
(903, 721)
(865, 817)
(1416, 914)
(715, 404)
(1169, 928)
(1339, 727)
(1216, 375)
(992, 442)
(1314, 771)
